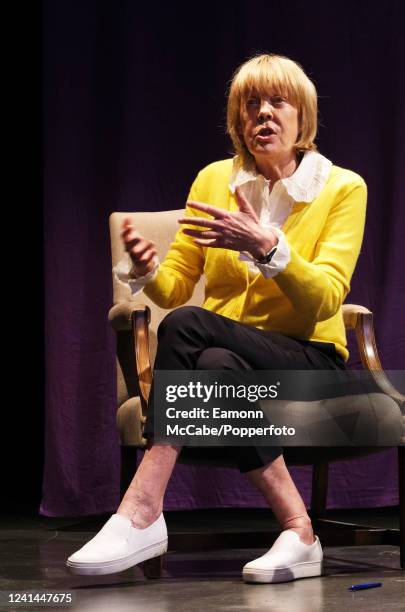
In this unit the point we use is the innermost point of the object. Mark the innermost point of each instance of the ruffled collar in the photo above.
(304, 185)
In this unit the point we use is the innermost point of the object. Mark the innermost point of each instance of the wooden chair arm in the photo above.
(351, 313)
(361, 320)
(120, 315)
(140, 327)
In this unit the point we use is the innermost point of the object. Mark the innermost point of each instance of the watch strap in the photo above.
(268, 257)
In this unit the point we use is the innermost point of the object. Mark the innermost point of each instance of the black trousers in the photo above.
(193, 338)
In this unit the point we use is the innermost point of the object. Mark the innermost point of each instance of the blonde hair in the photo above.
(272, 73)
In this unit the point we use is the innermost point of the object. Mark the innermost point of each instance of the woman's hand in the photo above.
(141, 251)
(238, 231)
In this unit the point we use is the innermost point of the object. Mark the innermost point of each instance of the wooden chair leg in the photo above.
(319, 490)
(152, 568)
(401, 483)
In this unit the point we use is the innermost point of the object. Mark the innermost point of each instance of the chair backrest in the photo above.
(160, 227)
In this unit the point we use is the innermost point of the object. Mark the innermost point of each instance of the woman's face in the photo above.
(270, 126)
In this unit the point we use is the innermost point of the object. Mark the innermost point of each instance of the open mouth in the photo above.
(265, 131)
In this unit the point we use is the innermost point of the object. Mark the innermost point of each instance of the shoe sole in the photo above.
(117, 565)
(284, 574)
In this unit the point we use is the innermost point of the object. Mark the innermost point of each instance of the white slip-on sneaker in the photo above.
(288, 559)
(118, 546)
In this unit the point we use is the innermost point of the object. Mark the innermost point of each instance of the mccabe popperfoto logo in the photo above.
(273, 408)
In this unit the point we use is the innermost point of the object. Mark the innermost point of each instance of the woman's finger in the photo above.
(200, 221)
(216, 212)
(126, 226)
(130, 234)
(147, 256)
(139, 249)
(244, 204)
(137, 242)
(213, 242)
(201, 234)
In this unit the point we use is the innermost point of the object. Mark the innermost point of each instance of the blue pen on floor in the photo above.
(365, 585)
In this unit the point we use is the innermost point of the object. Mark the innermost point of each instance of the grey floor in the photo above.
(33, 553)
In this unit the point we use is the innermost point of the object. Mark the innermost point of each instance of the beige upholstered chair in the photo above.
(135, 320)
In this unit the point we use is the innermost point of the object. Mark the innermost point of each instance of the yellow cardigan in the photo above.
(304, 301)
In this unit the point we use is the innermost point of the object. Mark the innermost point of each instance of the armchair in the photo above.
(135, 320)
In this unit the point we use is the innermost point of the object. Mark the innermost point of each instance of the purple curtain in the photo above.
(134, 105)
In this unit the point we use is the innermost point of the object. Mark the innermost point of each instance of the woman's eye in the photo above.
(275, 101)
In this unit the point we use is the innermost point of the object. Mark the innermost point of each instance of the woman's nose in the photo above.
(266, 111)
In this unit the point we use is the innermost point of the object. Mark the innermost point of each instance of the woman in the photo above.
(277, 231)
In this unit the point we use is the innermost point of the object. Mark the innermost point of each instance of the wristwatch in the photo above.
(268, 257)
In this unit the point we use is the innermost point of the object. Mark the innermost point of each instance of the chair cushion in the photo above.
(129, 422)
(368, 419)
